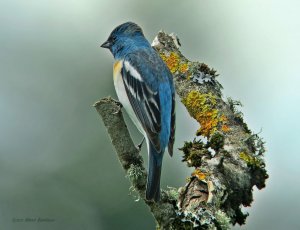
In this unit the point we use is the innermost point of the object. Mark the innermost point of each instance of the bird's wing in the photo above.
(173, 126)
(143, 94)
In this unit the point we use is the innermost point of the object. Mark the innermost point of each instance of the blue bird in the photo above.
(145, 88)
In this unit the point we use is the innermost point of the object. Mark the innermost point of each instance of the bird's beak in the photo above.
(106, 45)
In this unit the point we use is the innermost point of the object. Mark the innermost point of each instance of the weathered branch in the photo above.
(131, 160)
(228, 163)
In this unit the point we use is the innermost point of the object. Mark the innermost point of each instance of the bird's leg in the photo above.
(139, 146)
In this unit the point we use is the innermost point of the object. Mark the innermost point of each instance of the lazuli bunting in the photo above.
(145, 88)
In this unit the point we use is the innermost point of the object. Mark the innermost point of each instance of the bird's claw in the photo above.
(139, 146)
(119, 105)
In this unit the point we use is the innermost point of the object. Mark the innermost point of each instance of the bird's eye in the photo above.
(113, 39)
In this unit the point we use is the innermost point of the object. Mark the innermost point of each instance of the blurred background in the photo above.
(56, 160)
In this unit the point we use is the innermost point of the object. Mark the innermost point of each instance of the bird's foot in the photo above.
(119, 105)
(139, 146)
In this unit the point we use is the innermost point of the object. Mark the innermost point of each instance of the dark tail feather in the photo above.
(154, 170)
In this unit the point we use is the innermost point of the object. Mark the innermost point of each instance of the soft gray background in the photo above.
(56, 160)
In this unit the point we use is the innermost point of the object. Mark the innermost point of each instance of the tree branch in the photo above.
(228, 159)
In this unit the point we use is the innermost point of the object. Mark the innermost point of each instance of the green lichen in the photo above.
(172, 193)
(176, 225)
(260, 146)
(252, 160)
(238, 115)
(233, 104)
(259, 176)
(193, 152)
(200, 218)
(223, 221)
(194, 158)
(207, 70)
(134, 173)
(134, 193)
(216, 142)
(240, 217)
(256, 144)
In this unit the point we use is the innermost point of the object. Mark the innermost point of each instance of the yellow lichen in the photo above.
(225, 128)
(183, 68)
(209, 122)
(203, 108)
(200, 175)
(250, 160)
(223, 118)
(172, 61)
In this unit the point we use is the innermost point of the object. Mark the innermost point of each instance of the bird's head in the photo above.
(125, 38)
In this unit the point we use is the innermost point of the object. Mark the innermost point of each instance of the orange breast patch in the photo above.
(117, 68)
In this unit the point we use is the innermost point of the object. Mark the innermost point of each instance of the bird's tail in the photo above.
(154, 170)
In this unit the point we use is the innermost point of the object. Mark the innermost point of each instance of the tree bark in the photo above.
(228, 159)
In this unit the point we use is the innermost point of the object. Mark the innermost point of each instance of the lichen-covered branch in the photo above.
(228, 159)
(131, 160)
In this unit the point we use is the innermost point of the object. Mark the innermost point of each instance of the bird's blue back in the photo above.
(157, 77)
(132, 46)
